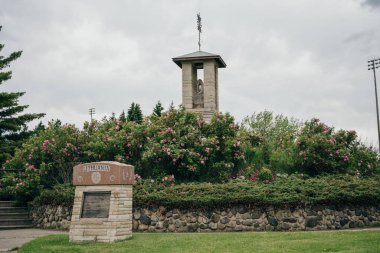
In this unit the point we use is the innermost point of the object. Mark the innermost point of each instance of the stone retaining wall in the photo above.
(50, 216)
(238, 218)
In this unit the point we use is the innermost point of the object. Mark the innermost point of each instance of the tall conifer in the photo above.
(13, 124)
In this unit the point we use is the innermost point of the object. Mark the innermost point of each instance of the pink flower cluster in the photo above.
(118, 123)
(44, 145)
(137, 177)
(169, 130)
(168, 178)
(31, 167)
(332, 141)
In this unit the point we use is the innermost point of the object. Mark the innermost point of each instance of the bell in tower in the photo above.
(200, 95)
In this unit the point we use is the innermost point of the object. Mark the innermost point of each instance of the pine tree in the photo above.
(157, 110)
(13, 126)
(122, 117)
(135, 113)
(171, 106)
(39, 127)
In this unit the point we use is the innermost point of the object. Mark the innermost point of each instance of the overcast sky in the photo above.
(302, 59)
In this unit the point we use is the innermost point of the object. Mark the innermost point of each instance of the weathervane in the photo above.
(199, 27)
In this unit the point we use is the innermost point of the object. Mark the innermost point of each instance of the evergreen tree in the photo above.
(39, 127)
(171, 106)
(157, 110)
(134, 113)
(13, 126)
(122, 117)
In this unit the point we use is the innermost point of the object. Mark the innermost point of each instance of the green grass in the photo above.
(329, 241)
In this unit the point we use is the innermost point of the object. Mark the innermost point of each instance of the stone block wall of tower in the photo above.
(189, 80)
(200, 96)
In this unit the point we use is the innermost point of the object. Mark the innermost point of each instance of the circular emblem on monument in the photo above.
(112, 178)
(96, 177)
(80, 179)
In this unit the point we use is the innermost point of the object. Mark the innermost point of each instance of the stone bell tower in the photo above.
(200, 95)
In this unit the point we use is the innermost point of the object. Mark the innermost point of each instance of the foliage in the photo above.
(320, 150)
(44, 160)
(157, 110)
(122, 117)
(180, 143)
(113, 140)
(265, 174)
(291, 191)
(364, 161)
(135, 113)
(60, 194)
(287, 145)
(270, 140)
(22, 185)
(13, 126)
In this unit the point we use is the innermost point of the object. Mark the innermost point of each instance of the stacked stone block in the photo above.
(116, 227)
(238, 218)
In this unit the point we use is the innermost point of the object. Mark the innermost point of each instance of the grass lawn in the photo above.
(329, 241)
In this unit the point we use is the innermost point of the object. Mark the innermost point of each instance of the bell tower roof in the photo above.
(199, 55)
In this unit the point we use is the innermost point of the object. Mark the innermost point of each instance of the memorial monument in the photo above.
(200, 95)
(102, 208)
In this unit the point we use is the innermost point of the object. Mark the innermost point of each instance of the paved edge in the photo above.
(9, 249)
(28, 234)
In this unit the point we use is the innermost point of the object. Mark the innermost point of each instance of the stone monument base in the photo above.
(117, 224)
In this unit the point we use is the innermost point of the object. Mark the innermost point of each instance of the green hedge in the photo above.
(61, 194)
(292, 191)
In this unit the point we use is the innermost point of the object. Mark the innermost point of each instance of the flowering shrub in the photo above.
(364, 161)
(137, 178)
(114, 140)
(24, 185)
(322, 150)
(183, 145)
(178, 143)
(168, 180)
(44, 160)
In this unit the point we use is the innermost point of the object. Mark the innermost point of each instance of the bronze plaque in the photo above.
(96, 204)
(103, 173)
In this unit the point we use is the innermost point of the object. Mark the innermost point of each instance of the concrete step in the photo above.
(7, 203)
(15, 227)
(14, 216)
(15, 222)
(13, 209)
